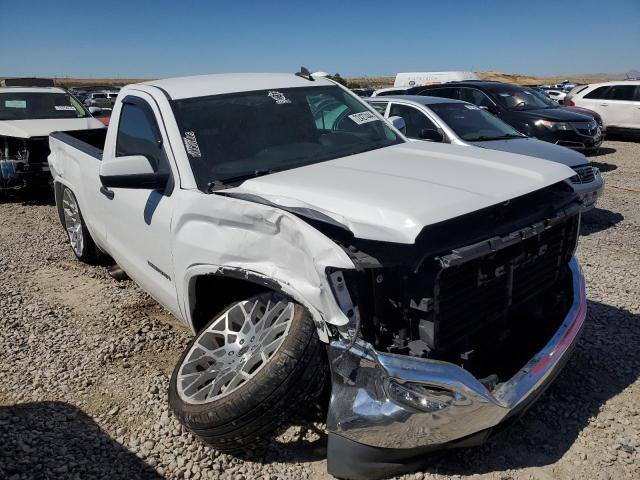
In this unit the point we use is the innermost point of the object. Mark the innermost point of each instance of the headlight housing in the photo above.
(553, 125)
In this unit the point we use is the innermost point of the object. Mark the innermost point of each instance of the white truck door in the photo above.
(139, 227)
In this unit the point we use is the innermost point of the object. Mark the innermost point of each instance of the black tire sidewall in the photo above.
(255, 397)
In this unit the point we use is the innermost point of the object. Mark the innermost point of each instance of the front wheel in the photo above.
(255, 365)
(79, 237)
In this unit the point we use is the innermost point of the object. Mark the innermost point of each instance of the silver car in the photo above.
(454, 121)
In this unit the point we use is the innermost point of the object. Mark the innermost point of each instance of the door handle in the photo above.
(107, 193)
(604, 104)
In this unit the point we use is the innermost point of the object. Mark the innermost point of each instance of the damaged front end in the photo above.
(453, 335)
(23, 161)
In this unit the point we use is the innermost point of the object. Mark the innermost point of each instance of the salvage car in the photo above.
(27, 117)
(436, 284)
(438, 119)
(523, 109)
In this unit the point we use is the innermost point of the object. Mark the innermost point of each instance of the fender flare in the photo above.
(251, 276)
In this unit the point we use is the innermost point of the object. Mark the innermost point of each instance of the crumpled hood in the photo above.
(536, 148)
(391, 194)
(43, 127)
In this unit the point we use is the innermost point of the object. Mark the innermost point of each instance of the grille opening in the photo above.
(488, 313)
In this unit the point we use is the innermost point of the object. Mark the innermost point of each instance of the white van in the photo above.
(416, 79)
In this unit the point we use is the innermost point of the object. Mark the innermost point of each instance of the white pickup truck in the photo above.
(301, 238)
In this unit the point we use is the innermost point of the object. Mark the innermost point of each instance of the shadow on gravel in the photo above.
(604, 363)
(52, 440)
(601, 151)
(598, 219)
(301, 439)
(620, 136)
(28, 197)
(605, 167)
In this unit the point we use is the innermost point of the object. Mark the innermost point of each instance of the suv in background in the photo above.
(525, 110)
(618, 103)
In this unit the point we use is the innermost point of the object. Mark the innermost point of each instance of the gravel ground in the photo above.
(86, 360)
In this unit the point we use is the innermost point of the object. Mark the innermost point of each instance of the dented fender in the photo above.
(218, 235)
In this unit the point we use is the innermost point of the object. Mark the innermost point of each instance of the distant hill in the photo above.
(379, 82)
(520, 79)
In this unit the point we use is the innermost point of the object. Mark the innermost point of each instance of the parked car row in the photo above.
(455, 295)
(524, 109)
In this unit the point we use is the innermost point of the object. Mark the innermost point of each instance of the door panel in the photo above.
(139, 236)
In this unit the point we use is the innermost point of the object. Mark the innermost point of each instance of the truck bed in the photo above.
(89, 141)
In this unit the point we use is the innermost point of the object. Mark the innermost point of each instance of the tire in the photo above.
(73, 223)
(245, 418)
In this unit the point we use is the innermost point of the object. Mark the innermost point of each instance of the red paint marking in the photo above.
(570, 333)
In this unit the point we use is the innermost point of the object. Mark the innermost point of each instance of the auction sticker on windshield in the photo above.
(363, 117)
(65, 107)
(15, 103)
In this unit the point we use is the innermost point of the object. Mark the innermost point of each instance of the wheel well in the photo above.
(212, 293)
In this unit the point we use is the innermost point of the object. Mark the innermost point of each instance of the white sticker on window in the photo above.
(472, 107)
(278, 97)
(191, 144)
(363, 117)
(15, 103)
(65, 107)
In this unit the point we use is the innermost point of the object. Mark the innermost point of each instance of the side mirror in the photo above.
(134, 171)
(94, 110)
(399, 123)
(431, 135)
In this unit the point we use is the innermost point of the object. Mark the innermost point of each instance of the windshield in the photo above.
(544, 98)
(522, 99)
(472, 123)
(39, 105)
(230, 137)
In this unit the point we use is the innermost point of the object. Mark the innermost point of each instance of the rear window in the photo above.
(597, 93)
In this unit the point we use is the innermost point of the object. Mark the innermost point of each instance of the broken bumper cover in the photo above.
(389, 401)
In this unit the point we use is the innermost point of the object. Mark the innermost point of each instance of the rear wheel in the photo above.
(79, 237)
(253, 366)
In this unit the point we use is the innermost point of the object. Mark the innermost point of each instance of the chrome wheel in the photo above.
(234, 348)
(72, 222)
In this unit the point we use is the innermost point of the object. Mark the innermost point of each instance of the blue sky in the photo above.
(169, 38)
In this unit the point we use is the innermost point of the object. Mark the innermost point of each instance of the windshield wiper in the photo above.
(225, 182)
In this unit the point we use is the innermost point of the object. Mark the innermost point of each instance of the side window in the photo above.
(476, 97)
(414, 118)
(621, 92)
(138, 134)
(326, 111)
(379, 107)
(597, 93)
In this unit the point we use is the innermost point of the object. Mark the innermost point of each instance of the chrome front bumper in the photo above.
(591, 192)
(366, 407)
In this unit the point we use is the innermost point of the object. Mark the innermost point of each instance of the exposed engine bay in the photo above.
(23, 161)
(484, 291)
